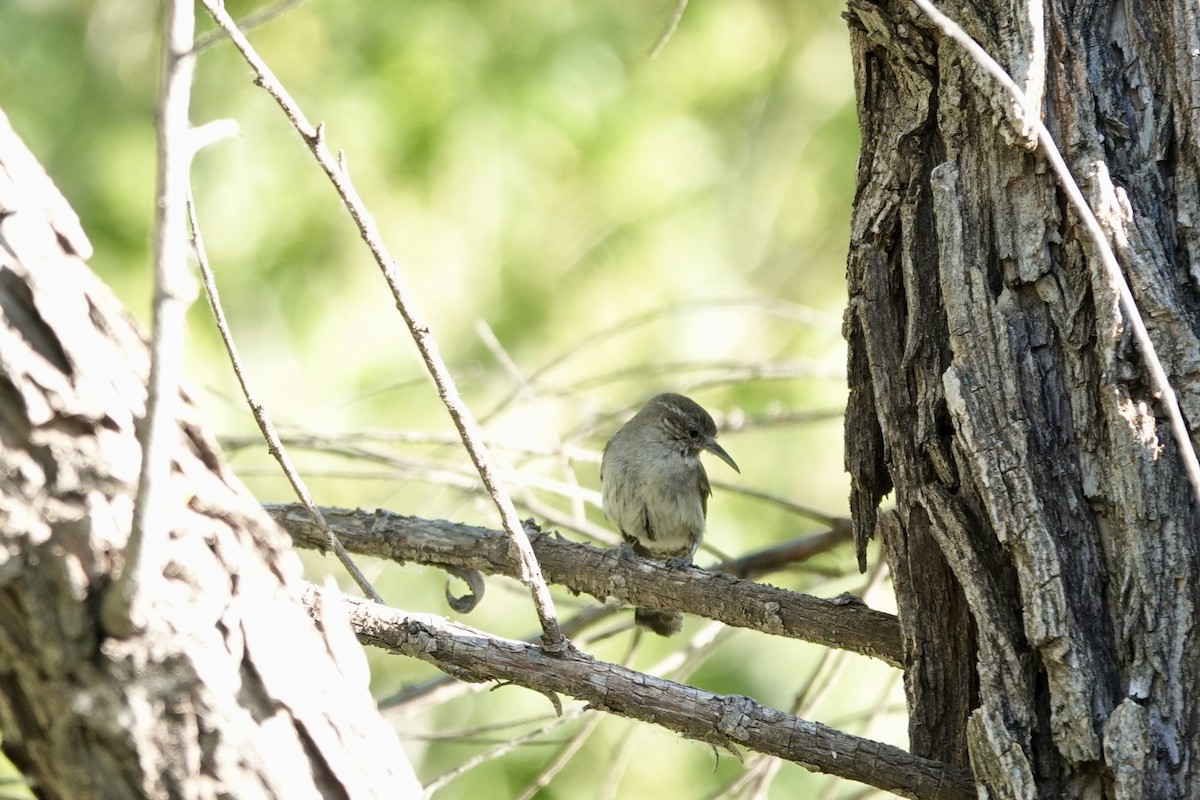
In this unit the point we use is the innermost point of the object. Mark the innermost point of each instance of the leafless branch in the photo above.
(669, 31)
(728, 721)
(839, 623)
(438, 783)
(274, 445)
(472, 437)
(172, 294)
(248, 22)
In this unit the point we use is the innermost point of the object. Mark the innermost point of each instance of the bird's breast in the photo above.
(655, 502)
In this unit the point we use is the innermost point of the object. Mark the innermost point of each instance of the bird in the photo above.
(655, 490)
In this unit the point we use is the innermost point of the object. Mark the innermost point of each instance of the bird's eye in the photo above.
(694, 432)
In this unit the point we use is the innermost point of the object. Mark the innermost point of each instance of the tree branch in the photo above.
(845, 625)
(261, 415)
(203, 700)
(471, 434)
(729, 721)
(124, 607)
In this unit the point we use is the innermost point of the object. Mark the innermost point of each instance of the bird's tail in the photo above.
(664, 623)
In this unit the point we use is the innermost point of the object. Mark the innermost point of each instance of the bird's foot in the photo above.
(678, 562)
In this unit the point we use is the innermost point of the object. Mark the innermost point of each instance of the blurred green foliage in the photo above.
(621, 225)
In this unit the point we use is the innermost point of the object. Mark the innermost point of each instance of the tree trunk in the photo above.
(1044, 540)
(229, 690)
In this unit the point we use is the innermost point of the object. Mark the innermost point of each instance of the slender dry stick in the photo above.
(530, 573)
(682, 661)
(564, 756)
(622, 327)
(248, 22)
(799, 509)
(172, 294)
(476, 733)
(438, 783)
(1108, 258)
(669, 31)
(618, 765)
(506, 361)
(274, 445)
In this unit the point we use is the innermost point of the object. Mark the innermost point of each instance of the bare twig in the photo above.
(492, 342)
(790, 312)
(472, 437)
(669, 31)
(247, 23)
(799, 509)
(798, 549)
(440, 782)
(565, 755)
(153, 506)
(274, 445)
(726, 372)
(727, 721)
(1031, 117)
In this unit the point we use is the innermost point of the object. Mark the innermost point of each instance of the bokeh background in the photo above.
(583, 225)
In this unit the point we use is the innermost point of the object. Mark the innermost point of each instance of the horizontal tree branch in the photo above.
(729, 721)
(841, 623)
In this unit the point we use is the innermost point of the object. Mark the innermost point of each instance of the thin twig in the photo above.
(530, 573)
(438, 783)
(247, 23)
(618, 765)
(274, 445)
(506, 361)
(669, 31)
(157, 436)
(801, 315)
(799, 509)
(725, 371)
(564, 756)
(1108, 258)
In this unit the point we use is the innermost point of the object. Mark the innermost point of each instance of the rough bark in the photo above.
(728, 721)
(845, 623)
(205, 701)
(1041, 506)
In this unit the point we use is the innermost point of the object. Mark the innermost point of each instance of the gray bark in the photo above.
(729, 721)
(1044, 543)
(206, 700)
(845, 623)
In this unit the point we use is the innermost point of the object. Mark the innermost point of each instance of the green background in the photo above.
(620, 224)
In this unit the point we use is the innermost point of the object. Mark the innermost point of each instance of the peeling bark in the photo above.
(996, 390)
(205, 702)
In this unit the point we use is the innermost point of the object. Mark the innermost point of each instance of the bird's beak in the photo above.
(711, 446)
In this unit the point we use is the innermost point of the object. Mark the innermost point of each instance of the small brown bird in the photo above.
(655, 489)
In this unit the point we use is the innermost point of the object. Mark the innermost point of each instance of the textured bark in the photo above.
(206, 701)
(996, 390)
(845, 623)
(729, 721)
